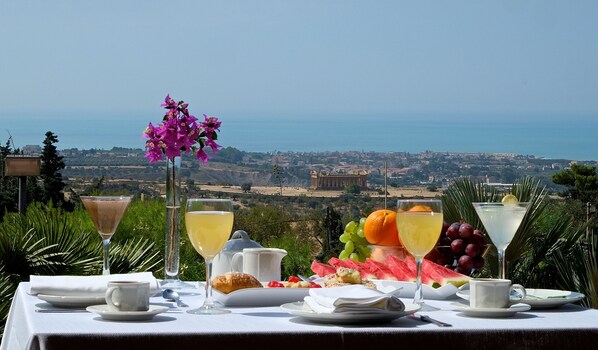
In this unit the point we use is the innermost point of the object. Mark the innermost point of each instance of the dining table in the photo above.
(568, 326)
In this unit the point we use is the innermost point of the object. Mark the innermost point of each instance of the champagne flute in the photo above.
(106, 212)
(209, 223)
(419, 223)
(501, 221)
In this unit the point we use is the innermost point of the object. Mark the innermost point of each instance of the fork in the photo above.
(429, 319)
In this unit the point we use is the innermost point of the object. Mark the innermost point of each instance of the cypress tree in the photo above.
(52, 164)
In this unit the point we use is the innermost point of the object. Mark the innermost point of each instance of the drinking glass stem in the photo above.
(209, 302)
(418, 298)
(502, 264)
(106, 267)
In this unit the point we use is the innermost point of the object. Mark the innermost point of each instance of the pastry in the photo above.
(232, 281)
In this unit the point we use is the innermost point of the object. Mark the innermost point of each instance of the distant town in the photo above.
(233, 167)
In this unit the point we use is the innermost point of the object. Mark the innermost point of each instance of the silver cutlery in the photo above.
(429, 319)
(306, 279)
(51, 311)
(172, 295)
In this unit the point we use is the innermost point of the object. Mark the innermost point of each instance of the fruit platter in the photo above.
(438, 281)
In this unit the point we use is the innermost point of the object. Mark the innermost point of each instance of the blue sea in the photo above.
(558, 138)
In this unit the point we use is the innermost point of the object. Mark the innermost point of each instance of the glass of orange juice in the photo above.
(209, 223)
(419, 222)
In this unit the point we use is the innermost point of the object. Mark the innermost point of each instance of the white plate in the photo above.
(348, 318)
(491, 312)
(261, 296)
(541, 298)
(107, 314)
(72, 301)
(408, 289)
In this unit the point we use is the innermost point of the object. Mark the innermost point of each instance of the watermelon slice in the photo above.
(400, 269)
(380, 270)
(443, 276)
(435, 275)
(322, 269)
(364, 272)
(336, 263)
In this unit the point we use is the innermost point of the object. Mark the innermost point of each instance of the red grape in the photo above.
(465, 231)
(478, 238)
(453, 231)
(458, 246)
(472, 250)
(466, 262)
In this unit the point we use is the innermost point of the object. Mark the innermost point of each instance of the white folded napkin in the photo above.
(86, 285)
(354, 298)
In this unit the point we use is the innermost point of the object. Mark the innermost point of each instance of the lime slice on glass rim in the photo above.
(509, 199)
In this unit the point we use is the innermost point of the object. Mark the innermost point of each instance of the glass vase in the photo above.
(173, 229)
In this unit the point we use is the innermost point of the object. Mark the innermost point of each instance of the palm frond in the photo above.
(134, 255)
(7, 290)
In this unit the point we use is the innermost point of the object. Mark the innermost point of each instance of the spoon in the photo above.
(306, 279)
(171, 295)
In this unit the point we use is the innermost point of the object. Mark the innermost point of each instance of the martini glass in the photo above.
(106, 212)
(501, 221)
(419, 223)
(209, 223)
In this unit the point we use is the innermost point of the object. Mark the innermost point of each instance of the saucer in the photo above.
(297, 309)
(111, 315)
(72, 301)
(492, 312)
(541, 298)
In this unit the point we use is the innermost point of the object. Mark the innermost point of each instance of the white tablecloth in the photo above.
(570, 326)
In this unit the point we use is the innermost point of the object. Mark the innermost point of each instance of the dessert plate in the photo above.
(492, 312)
(408, 289)
(297, 309)
(541, 298)
(72, 301)
(108, 314)
(261, 296)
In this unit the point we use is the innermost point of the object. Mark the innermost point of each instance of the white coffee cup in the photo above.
(493, 293)
(262, 263)
(128, 296)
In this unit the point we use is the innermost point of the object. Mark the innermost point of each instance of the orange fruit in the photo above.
(380, 228)
(421, 208)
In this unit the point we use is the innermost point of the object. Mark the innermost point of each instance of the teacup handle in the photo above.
(520, 289)
(236, 261)
(109, 300)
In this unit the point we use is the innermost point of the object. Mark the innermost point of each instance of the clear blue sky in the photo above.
(295, 57)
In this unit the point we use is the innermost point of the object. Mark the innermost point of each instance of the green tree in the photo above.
(354, 189)
(278, 176)
(246, 187)
(8, 185)
(581, 182)
(52, 164)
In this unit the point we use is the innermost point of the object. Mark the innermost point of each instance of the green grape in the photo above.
(364, 251)
(356, 246)
(345, 237)
(344, 255)
(350, 227)
(349, 246)
(360, 232)
(360, 241)
(362, 222)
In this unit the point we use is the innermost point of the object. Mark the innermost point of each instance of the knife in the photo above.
(428, 319)
(49, 311)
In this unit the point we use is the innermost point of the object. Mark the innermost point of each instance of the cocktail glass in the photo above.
(209, 223)
(501, 221)
(106, 213)
(419, 223)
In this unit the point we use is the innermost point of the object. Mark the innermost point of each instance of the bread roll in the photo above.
(232, 281)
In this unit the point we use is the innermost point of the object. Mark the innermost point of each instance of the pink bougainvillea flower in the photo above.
(180, 132)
